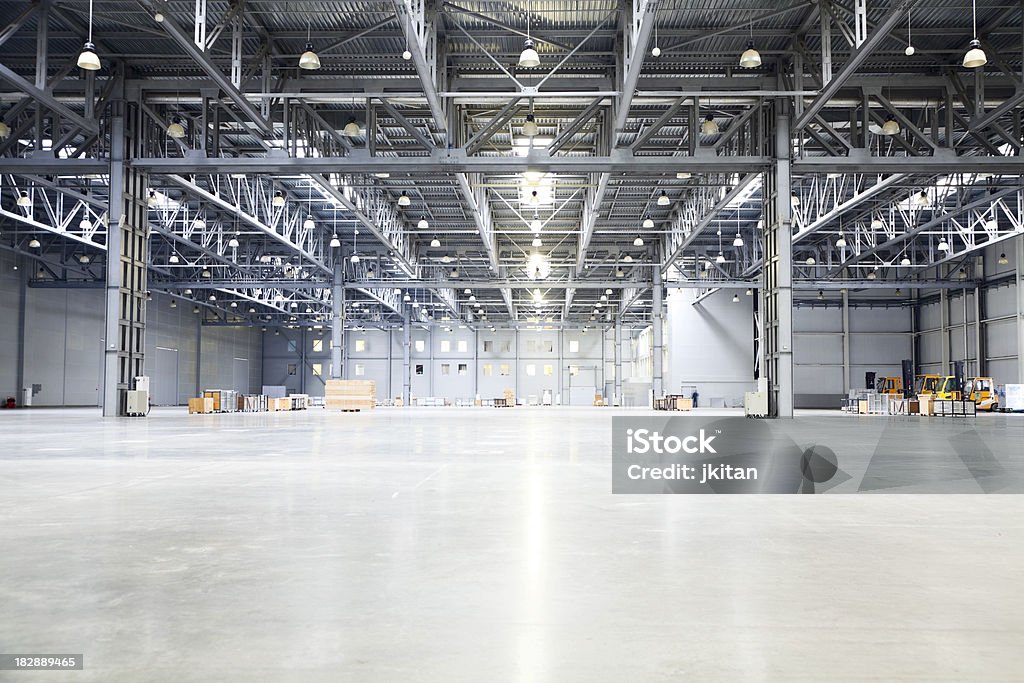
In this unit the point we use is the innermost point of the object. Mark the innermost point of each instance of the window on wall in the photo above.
(488, 370)
(574, 346)
(506, 347)
(488, 346)
(360, 369)
(531, 370)
(574, 370)
(463, 369)
(446, 346)
(360, 345)
(503, 369)
(446, 369)
(549, 347)
(318, 345)
(291, 346)
(463, 346)
(292, 369)
(419, 369)
(549, 370)
(318, 369)
(420, 346)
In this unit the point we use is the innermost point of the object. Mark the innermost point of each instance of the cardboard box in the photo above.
(350, 394)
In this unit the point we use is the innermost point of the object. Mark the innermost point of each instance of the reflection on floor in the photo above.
(440, 544)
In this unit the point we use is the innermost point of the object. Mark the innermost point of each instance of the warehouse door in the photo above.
(240, 375)
(582, 385)
(164, 382)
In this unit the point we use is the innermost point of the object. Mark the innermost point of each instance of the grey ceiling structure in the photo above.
(843, 160)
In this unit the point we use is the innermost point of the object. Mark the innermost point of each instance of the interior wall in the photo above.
(460, 364)
(710, 346)
(63, 344)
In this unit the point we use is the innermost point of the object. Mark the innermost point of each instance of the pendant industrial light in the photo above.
(638, 242)
(975, 56)
(751, 58)
(355, 251)
(943, 245)
(88, 59)
(530, 129)
(403, 199)
(174, 304)
(175, 130)
(435, 243)
(351, 128)
(735, 298)
(5, 131)
(536, 242)
(738, 240)
(205, 273)
(33, 243)
(423, 224)
(627, 258)
(199, 223)
(309, 59)
(663, 199)
(455, 272)
(750, 292)
(534, 199)
(890, 127)
(810, 261)
(709, 127)
(234, 304)
(876, 223)
(151, 201)
(841, 242)
(683, 175)
(535, 224)
(648, 222)
(278, 200)
(923, 200)
(821, 295)
(406, 54)
(905, 261)
(173, 258)
(1003, 260)
(308, 224)
(233, 242)
(529, 58)
(720, 259)
(23, 200)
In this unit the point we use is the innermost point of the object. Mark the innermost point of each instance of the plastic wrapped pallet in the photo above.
(350, 394)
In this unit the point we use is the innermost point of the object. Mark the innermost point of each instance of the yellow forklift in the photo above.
(893, 386)
(948, 389)
(982, 390)
(926, 384)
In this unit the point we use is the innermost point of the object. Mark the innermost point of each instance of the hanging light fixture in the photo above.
(205, 273)
(213, 297)
(309, 59)
(406, 55)
(683, 175)
(962, 274)
(355, 250)
(821, 295)
(85, 223)
(278, 200)
(751, 58)
(720, 259)
(423, 224)
(435, 243)
(619, 272)
(535, 224)
(5, 131)
(910, 46)
(152, 200)
(871, 275)
(794, 200)
(23, 200)
(750, 292)
(877, 224)
(735, 298)
(534, 199)
(234, 304)
(173, 258)
(233, 242)
(810, 261)
(841, 242)
(308, 224)
(922, 199)
(446, 259)
(407, 298)
(738, 241)
(663, 199)
(975, 56)
(33, 243)
(355, 258)
(455, 272)
(709, 127)
(528, 58)
(943, 245)
(174, 129)
(648, 222)
(905, 261)
(530, 129)
(351, 128)
(536, 242)
(1003, 260)
(627, 258)
(638, 242)
(88, 59)
(403, 199)
(890, 127)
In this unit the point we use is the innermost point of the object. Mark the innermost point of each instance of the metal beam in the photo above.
(412, 18)
(187, 43)
(897, 10)
(637, 35)
(392, 111)
(47, 100)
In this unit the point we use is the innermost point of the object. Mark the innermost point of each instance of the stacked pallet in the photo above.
(200, 405)
(277, 404)
(350, 394)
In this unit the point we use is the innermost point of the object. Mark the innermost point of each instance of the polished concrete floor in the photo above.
(474, 545)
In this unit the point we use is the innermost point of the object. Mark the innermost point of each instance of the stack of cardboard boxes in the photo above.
(350, 394)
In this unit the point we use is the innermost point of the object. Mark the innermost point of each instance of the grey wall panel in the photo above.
(83, 349)
(815, 349)
(1004, 371)
(45, 329)
(808, 319)
(880, 320)
(818, 380)
(10, 305)
(880, 349)
(1001, 301)
(930, 317)
(1001, 338)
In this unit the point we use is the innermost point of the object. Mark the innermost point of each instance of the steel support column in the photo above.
(337, 320)
(617, 398)
(127, 254)
(1020, 308)
(406, 351)
(777, 275)
(657, 318)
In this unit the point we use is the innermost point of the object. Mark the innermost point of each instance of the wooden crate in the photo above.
(350, 394)
(200, 405)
